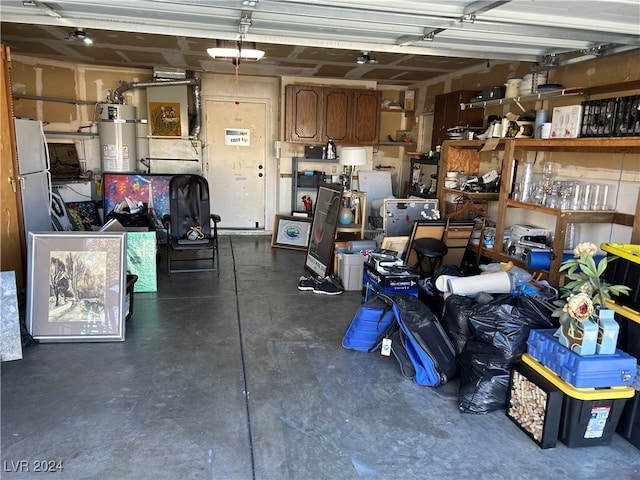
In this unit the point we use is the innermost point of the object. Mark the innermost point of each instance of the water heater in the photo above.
(117, 131)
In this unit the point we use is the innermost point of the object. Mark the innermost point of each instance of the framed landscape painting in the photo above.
(76, 286)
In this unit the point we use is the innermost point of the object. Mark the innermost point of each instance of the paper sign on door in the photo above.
(237, 137)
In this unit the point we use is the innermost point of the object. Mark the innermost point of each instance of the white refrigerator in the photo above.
(35, 178)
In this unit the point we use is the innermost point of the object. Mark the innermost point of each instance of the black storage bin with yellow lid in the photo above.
(589, 415)
(629, 341)
(624, 269)
(629, 424)
(588, 423)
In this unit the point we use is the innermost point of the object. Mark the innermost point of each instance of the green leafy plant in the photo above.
(585, 291)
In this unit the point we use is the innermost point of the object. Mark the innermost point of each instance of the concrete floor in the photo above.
(244, 377)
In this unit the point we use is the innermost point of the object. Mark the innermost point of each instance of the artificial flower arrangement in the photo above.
(585, 294)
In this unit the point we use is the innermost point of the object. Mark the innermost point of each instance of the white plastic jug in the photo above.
(513, 87)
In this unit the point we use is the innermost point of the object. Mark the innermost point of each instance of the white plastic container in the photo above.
(513, 87)
(350, 270)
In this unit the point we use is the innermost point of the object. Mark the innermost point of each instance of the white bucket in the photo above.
(513, 87)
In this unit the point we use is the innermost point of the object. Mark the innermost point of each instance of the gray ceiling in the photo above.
(412, 40)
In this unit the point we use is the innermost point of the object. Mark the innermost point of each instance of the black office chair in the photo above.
(190, 225)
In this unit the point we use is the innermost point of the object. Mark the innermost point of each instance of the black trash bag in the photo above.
(429, 293)
(450, 270)
(430, 296)
(506, 321)
(456, 311)
(484, 379)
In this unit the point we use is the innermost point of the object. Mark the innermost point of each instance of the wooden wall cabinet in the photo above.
(447, 114)
(304, 112)
(365, 117)
(316, 114)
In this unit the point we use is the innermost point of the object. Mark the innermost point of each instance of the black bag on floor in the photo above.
(484, 378)
(506, 321)
(419, 343)
(455, 318)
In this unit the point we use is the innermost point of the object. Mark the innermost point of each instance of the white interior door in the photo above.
(236, 155)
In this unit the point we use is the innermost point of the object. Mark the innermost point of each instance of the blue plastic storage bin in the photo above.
(581, 371)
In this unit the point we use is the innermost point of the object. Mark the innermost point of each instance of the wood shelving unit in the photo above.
(465, 155)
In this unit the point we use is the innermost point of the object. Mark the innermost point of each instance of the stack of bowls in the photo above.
(451, 181)
(531, 81)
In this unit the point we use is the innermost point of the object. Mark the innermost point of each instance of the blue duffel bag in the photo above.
(369, 325)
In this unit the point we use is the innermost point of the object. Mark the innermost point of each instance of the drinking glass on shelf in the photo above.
(566, 195)
(576, 196)
(549, 172)
(516, 194)
(539, 193)
(552, 199)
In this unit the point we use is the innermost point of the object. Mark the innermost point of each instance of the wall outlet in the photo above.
(334, 169)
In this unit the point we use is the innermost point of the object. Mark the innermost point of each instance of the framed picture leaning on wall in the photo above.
(76, 286)
(319, 258)
(291, 232)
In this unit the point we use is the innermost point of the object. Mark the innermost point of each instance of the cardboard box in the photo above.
(408, 99)
(566, 121)
(520, 230)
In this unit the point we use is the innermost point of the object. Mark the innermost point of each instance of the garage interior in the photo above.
(240, 375)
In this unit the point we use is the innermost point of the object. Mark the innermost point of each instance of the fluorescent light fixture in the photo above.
(229, 49)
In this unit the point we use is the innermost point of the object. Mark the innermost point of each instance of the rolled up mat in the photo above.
(358, 245)
(442, 282)
(498, 282)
